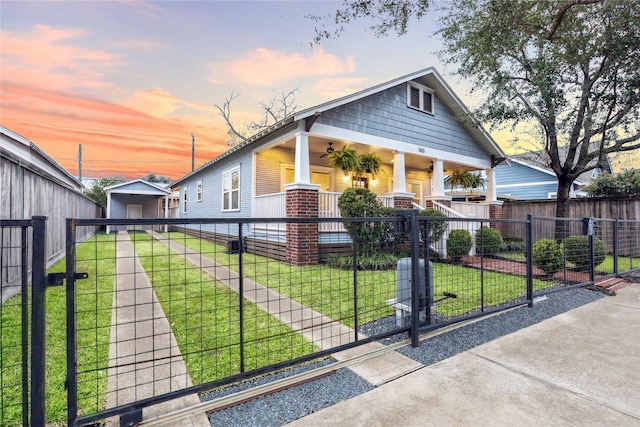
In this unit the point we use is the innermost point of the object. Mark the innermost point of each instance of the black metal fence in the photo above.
(156, 316)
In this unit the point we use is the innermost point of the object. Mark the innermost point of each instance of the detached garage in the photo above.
(134, 200)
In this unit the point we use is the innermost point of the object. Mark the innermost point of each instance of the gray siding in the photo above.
(507, 179)
(386, 114)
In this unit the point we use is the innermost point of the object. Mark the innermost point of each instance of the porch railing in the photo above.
(471, 210)
(270, 205)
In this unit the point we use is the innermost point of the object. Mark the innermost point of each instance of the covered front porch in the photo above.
(405, 180)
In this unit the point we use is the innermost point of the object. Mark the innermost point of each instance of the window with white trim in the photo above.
(231, 189)
(199, 191)
(184, 200)
(419, 97)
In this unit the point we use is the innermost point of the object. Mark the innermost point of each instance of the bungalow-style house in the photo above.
(136, 199)
(529, 178)
(284, 171)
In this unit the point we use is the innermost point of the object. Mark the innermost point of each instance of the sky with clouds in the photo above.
(133, 80)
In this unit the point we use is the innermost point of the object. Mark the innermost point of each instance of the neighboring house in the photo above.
(527, 179)
(410, 122)
(134, 200)
(33, 184)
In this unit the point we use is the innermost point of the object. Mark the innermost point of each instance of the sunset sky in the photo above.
(132, 80)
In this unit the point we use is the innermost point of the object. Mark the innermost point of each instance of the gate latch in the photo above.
(57, 279)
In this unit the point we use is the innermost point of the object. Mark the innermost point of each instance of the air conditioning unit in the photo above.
(233, 246)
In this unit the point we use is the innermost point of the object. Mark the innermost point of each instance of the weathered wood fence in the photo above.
(27, 193)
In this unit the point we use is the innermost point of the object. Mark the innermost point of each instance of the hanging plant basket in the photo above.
(345, 159)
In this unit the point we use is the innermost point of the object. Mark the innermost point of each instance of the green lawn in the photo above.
(97, 258)
(330, 291)
(205, 318)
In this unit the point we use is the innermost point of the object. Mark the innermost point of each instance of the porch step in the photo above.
(611, 284)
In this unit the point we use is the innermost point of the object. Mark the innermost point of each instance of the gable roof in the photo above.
(28, 154)
(431, 78)
(137, 186)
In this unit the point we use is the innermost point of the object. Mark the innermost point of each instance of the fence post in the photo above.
(241, 294)
(615, 246)
(72, 378)
(38, 320)
(415, 275)
(529, 243)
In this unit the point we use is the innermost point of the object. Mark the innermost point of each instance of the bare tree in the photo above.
(273, 111)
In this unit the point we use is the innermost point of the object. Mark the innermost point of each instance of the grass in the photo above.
(205, 318)
(96, 257)
(330, 291)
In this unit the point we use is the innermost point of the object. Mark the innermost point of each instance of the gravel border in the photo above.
(289, 405)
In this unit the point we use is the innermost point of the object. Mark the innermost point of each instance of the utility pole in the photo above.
(80, 162)
(193, 151)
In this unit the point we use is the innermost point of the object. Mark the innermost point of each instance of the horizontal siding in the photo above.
(386, 114)
(268, 166)
(524, 182)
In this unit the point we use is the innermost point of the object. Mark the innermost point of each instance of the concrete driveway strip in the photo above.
(579, 368)
(144, 357)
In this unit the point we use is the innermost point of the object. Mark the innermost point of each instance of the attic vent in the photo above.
(420, 97)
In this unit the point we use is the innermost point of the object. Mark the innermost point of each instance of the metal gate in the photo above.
(22, 367)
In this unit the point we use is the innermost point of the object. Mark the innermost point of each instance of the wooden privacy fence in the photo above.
(603, 209)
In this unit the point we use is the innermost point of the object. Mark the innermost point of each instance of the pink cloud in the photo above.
(47, 51)
(266, 67)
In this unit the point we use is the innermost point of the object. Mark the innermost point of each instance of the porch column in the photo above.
(302, 174)
(401, 199)
(166, 212)
(491, 199)
(302, 237)
(437, 185)
(108, 209)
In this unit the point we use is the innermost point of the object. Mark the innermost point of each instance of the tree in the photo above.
(151, 177)
(624, 184)
(97, 193)
(569, 67)
(274, 110)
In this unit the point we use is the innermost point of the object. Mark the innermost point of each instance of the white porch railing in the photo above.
(270, 205)
(471, 210)
(328, 208)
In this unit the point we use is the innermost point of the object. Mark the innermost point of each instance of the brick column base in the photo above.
(302, 238)
(402, 202)
(429, 203)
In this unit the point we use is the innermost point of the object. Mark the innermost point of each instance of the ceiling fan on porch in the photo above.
(330, 149)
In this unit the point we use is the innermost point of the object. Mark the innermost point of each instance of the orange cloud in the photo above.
(266, 67)
(116, 140)
(27, 57)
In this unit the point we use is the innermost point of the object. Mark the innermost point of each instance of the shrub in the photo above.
(547, 256)
(362, 203)
(377, 261)
(436, 228)
(514, 245)
(577, 251)
(459, 244)
(488, 241)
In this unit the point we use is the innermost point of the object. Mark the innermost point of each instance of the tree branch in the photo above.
(560, 15)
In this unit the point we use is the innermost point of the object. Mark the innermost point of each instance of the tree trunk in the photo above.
(562, 208)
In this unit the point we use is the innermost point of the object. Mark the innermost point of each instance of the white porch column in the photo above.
(108, 209)
(302, 174)
(166, 212)
(491, 185)
(437, 179)
(399, 177)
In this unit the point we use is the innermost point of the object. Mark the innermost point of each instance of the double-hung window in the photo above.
(420, 97)
(231, 189)
(199, 191)
(184, 200)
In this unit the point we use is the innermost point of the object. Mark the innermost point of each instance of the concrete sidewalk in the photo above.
(580, 368)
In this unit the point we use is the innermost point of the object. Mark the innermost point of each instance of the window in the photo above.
(231, 189)
(420, 97)
(199, 191)
(184, 200)
(319, 175)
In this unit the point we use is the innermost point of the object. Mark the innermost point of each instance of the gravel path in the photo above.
(286, 406)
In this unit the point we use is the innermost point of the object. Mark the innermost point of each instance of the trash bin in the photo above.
(403, 282)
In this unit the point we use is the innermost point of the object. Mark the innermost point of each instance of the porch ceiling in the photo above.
(318, 147)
